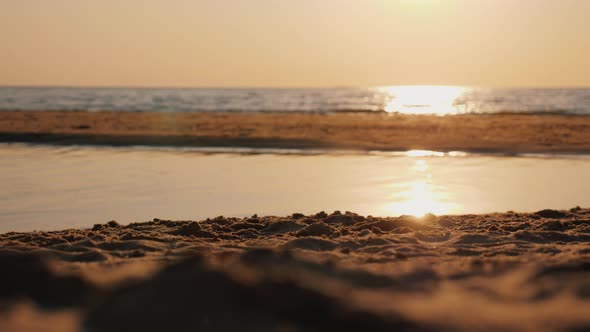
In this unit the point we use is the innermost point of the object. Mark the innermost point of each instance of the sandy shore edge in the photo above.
(510, 133)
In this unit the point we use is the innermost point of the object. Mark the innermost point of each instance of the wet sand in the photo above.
(509, 133)
(321, 272)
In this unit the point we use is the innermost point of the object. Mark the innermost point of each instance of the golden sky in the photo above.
(295, 43)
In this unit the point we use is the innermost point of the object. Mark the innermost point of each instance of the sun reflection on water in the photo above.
(421, 195)
(424, 153)
(439, 100)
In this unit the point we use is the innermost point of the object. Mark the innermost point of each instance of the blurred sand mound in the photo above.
(510, 272)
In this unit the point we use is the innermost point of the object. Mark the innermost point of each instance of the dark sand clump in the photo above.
(323, 272)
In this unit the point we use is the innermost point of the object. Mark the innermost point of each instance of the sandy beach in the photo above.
(338, 271)
(317, 272)
(510, 133)
(295, 166)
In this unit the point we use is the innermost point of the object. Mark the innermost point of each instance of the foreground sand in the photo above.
(509, 133)
(337, 272)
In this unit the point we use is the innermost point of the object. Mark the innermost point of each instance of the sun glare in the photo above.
(424, 153)
(420, 196)
(439, 100)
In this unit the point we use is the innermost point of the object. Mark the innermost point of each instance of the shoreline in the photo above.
(515, 271)
(291, 151)
(505, 133)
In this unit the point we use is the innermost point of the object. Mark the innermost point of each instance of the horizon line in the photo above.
(240, 87)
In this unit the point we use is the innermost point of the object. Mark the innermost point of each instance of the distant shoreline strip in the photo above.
(493, 134)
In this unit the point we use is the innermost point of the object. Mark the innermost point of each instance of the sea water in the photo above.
(49, 187)
(440, 100)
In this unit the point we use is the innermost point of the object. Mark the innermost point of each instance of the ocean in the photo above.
(441, 100)
(48, 187)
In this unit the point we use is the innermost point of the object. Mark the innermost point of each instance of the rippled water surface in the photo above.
(403, 99)
(47, 187)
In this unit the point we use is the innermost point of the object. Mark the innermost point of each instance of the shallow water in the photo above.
(45, 187)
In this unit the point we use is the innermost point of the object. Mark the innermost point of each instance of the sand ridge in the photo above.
(505, 133)
(509, 271)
